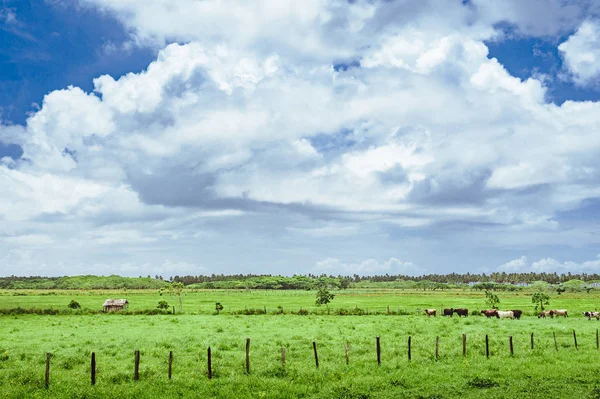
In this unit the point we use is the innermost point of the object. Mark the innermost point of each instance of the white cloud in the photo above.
(8, 16)
(247, 123)
(515, 266)
(334, 266)
(550, 265)
(28, 240)
(536, 17)
(581, 53)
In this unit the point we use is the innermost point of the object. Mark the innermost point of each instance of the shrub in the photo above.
(350, 312)
(74, 304)
(163, 305)
(249, 311)
(481, 382)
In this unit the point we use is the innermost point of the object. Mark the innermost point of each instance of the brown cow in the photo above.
(430, 312)
(490, 313)
(559, 312)
(545, 313)
(517, 313)
(448, 312)
(462, 312)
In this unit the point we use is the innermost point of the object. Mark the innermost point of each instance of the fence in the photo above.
(378, 348)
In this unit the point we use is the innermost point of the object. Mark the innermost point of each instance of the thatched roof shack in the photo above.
(113, 305)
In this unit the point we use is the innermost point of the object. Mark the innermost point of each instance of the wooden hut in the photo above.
(114, 305)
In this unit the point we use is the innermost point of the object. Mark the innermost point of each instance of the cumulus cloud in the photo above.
(581, 53)
(515, 266)
(334, 266)
(536, 17)
(245, 127)
(550, 265)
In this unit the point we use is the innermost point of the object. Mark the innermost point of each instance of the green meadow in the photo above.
(372, 300)
(71, 338)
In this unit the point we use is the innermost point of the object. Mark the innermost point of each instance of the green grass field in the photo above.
(542, 372)
(373, 300)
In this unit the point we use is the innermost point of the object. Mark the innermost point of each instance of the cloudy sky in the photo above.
(318, 136)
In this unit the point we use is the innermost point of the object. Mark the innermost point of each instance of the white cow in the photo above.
(506, 314)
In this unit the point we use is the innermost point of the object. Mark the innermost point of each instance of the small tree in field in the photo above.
(540, 299)
(218, 307)
(324, 297)
(491, 300)
(175, 289)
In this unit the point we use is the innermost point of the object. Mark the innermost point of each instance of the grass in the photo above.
(539, 373)
(375, 301)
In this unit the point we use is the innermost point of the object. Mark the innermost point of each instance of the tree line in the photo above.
(451, 278)
(490, 282)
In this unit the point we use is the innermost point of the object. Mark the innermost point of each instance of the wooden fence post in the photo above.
(347, 350)
(388, 309)
(597, 342)
(247, 355)
(464, 341)
(437, 348)
(170, 364)
(575, 339)
(316, 355)
(209, 361)
(136, 371)
(487, 347)
(93, 368)
(282, 357)
(555, 344)
(510, 342)
(531, 341)
(47, 370)
(378, 351)
(409, 340)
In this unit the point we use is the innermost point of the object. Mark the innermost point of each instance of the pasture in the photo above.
(541, 372)
(372, 300)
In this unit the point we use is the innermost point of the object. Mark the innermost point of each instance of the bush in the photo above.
(350, 312)
(74, 304)
(249, 311)
(163, 305)
(482, 383)
(279, 310)
(303, 312)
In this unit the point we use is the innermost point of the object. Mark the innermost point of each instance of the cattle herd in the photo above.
(508, 314)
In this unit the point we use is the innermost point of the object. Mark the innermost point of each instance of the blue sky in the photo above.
(339, 137)
(51, 45)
